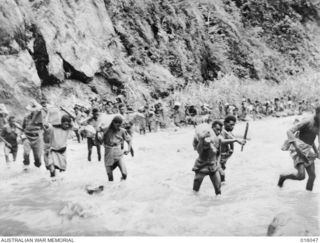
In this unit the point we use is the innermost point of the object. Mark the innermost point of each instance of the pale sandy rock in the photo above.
(79, 31)
(17, 86)
(13, 18)
(55, 67)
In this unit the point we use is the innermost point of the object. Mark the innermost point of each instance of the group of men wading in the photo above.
(214, 146)
(45, 133)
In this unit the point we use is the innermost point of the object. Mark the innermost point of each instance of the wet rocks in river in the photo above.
(285, 224)
(94, 189)
(72, 210)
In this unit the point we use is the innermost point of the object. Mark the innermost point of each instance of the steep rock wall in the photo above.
(150, 47)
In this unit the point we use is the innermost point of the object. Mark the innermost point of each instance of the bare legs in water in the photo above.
(300, 175)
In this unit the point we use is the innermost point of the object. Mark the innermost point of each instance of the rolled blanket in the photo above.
(204, 130)
(89, 131)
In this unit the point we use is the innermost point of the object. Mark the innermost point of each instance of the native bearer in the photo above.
(113, 138)
(57, 145)
(208, 146)
(303, 150)
(227, 144)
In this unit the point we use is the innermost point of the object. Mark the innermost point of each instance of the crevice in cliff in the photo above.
(41, 59)
(209, 68)
(72, 73)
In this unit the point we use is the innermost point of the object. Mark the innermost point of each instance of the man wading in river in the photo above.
(33, 129)
(113, 138)
(227, 144)
(300, 144)
(207, 144)
(94, 139)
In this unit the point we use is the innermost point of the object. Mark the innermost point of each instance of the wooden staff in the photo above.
(6, 142)
(245, 135)
(68, 113)
(18, 126)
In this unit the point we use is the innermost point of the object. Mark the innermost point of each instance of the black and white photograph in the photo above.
(148, 118)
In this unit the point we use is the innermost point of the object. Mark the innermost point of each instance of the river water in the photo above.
(157, 198)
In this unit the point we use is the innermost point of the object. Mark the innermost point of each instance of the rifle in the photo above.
(6, 142)
(245, 135)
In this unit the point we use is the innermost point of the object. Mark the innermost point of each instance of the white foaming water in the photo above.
(157, 198)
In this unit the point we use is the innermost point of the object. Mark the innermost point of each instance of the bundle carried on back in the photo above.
(88, 131)
(105, 120)
(205, 138)
(54, 116)
(204, 130)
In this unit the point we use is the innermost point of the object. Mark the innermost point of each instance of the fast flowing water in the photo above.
(157, 198)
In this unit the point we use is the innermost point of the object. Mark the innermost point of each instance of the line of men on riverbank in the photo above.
(160, 114)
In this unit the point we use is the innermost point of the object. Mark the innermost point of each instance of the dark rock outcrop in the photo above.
(285, 224)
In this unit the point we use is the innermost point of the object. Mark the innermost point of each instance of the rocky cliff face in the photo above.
(95, 47)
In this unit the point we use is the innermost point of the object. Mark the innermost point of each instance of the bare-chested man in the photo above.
(207, 163)
(301, 138)
(227, 144)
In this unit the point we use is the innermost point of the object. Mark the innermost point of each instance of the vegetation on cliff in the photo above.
(153, 48)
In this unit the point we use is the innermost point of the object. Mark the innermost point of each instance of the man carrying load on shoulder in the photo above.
(10, 136)
(207, 144)
(113, 139)
(33, 130)
(303, 150)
